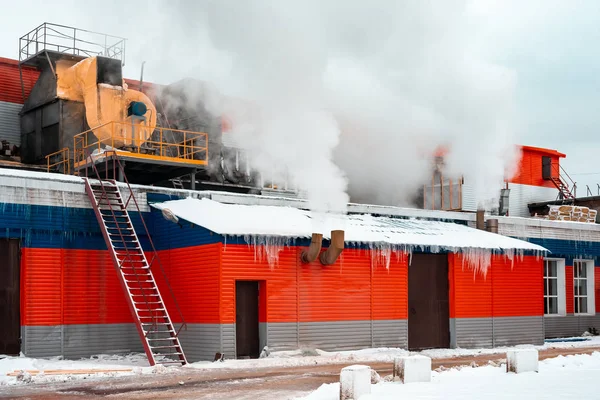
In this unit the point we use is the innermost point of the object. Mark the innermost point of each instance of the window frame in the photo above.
(560, 287)
(590, 282)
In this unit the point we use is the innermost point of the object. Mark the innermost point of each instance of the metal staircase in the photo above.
(158, 334)
(567, 188)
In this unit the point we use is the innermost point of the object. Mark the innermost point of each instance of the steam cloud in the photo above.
(350, 99)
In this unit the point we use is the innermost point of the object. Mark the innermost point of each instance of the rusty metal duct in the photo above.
(336, 247)
(309, 255)
(491, 225)
(480, 219)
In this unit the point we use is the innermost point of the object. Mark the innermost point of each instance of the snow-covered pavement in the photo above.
(563, 377)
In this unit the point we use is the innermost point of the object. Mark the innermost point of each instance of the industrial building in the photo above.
(121, 230)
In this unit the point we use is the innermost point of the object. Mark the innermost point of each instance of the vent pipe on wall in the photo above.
(336, 247)
(309, 255)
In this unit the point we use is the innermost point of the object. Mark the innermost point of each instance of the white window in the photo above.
(554, 287)
(583, 286)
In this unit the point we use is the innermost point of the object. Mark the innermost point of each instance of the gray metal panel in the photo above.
(556, 327)
(41, 341)
(227, 340)
(390, 333)
(201, 342)
(588, 321)
(282, 336)
(10, 129)
(345, 335)
(473, 332)
(87, 340)
(510, 331)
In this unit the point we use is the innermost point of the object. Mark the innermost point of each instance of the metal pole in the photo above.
(142, 77)
(193, 180)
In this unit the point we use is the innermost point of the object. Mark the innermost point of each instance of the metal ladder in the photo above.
(159, 337)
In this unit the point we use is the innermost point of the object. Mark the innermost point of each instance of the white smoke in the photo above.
(351, 98)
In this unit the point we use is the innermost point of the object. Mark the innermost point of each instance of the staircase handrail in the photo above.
(117, 164)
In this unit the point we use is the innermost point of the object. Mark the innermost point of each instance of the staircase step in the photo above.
(161, 339)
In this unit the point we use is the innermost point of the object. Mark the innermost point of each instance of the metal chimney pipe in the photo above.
(480, 219)
(492, 225)
(336, 247)
(312, 252)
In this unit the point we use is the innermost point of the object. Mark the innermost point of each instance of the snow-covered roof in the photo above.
(257, 220)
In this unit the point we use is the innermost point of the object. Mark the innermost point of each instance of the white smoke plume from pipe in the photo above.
(351, 98)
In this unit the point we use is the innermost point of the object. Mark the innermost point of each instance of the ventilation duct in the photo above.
(336, 247)
(309, 255)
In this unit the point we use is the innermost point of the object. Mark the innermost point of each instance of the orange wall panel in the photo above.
(240, 262)
(339, 292)
(569, 290)
(41, 276)
(529, 171)
(518, 290)
(389, 289)
(92, 292)
(470, 292)
(193, 275)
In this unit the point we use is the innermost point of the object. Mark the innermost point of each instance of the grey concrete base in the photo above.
(570, 325)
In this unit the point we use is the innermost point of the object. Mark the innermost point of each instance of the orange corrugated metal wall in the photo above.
(66, 286)
(193, 274)
(10, 82)
(506, 291)
(530, 169)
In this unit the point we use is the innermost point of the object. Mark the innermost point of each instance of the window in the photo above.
(554, 287)
(583, 286)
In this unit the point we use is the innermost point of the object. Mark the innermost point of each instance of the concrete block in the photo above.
(413, 369)
(355, 381)
(522, 360)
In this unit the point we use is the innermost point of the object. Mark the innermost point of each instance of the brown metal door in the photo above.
(10, 327)
(428, 311)
(246, 319)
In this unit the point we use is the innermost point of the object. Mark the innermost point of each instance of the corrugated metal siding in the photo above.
(389, 288)
(472, 332)
(470, 293)
(201, 342)
(517, 290)
(282, 335)
(521, 195)
(393, 333)
(557, 327)
(87, 340)
(564, 232)
(41, 287)
(10, 81)
(240, 262)
(228, 340)
(512, 331)
(469, 200)
(193, 274)
(41, 341)
(168, 235)
(530, 169)
(339, 292)
(10, 129)
(344, 335)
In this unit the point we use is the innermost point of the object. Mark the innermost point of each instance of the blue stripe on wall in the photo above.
(171, 235)
(569, 249)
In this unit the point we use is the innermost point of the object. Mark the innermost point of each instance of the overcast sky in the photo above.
(549, 44)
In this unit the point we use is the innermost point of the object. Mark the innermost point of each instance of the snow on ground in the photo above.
(307, 357)
(134, 363)
(138, 363)
(570, 377)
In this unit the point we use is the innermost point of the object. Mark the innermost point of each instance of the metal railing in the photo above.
(170, 144)
(59, 159)
(70, 40)
(560, 173)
